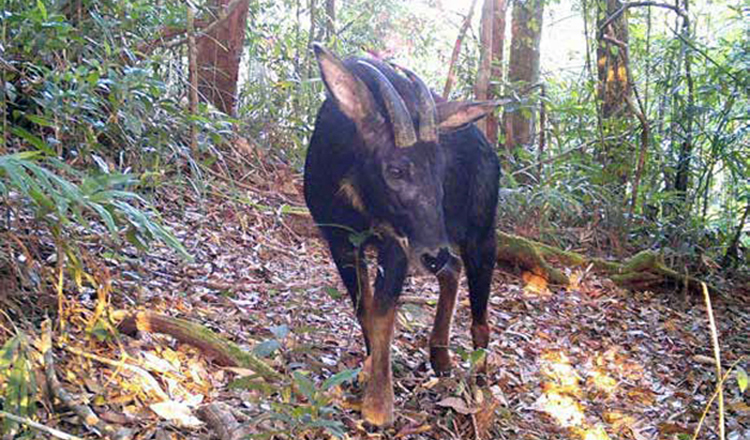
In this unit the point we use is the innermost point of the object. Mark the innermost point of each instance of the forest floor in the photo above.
(589, 361)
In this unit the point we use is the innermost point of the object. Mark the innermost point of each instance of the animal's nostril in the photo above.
(435, 263)
(429, 261)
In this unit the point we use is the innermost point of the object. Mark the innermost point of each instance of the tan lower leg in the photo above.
(364, 304)
(439, 354)
(480, 334)
(377, 407)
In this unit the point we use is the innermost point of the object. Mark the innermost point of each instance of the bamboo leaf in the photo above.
(109, 221)
(34, 140)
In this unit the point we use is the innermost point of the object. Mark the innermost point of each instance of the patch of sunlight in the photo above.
(602, 381)
(556, 367)
(564, 409)
(575, 280)
(595, 433)
(534, 285)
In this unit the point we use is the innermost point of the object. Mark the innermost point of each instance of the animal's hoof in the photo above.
(378, 412)
(440, 359)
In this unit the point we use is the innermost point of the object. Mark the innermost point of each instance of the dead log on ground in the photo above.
(644, 270)
(223, 351)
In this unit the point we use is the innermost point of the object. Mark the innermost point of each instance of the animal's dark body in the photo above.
(415, 180)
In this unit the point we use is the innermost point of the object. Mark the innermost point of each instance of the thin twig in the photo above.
(223, 15)
(554, 158)
(737, 81)
(719, 387)
(38, 426)
(625, 6)
(457, 50)
(717, 358)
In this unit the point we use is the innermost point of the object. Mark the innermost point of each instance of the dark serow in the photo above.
(419, 182)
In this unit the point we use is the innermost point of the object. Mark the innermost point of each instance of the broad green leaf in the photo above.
(42, 9)
(266, 348)
(477, 356)
(333, 293)
(7, 352)
(304, 385)
(339, 378)
(741, 378)
(280, 331)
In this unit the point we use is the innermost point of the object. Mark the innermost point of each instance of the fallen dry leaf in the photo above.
(458, 405)
(177, 413)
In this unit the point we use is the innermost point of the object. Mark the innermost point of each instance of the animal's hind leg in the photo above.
(350, 262)
(479, 259)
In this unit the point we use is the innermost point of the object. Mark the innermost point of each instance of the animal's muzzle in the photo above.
(436, 260)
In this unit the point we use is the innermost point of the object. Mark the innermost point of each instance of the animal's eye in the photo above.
(396, 172)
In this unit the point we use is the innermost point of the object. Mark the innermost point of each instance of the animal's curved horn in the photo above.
(426, 107)
(403, 128)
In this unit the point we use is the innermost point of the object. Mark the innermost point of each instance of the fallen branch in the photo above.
(38, 426)
(223, 351)
(86, 414)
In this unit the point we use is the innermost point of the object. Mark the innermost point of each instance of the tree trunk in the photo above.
(614, 91)
(682, 178)
(731, 254)
(496, 76)
(330, 19)
(523, 70)
(613, 82)
(482, 87)
(219, 55)
(192, 51)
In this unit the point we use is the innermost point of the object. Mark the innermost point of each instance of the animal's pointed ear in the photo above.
(455, 114)
(351, 95)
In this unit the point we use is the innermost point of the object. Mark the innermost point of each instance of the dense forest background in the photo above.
(625, 134)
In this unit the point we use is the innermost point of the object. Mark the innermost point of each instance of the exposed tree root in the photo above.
(223, 351)
(644, 270)
(218, 416)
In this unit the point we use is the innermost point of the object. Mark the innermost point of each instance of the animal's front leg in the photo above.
(377, 406)
(439, 339)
